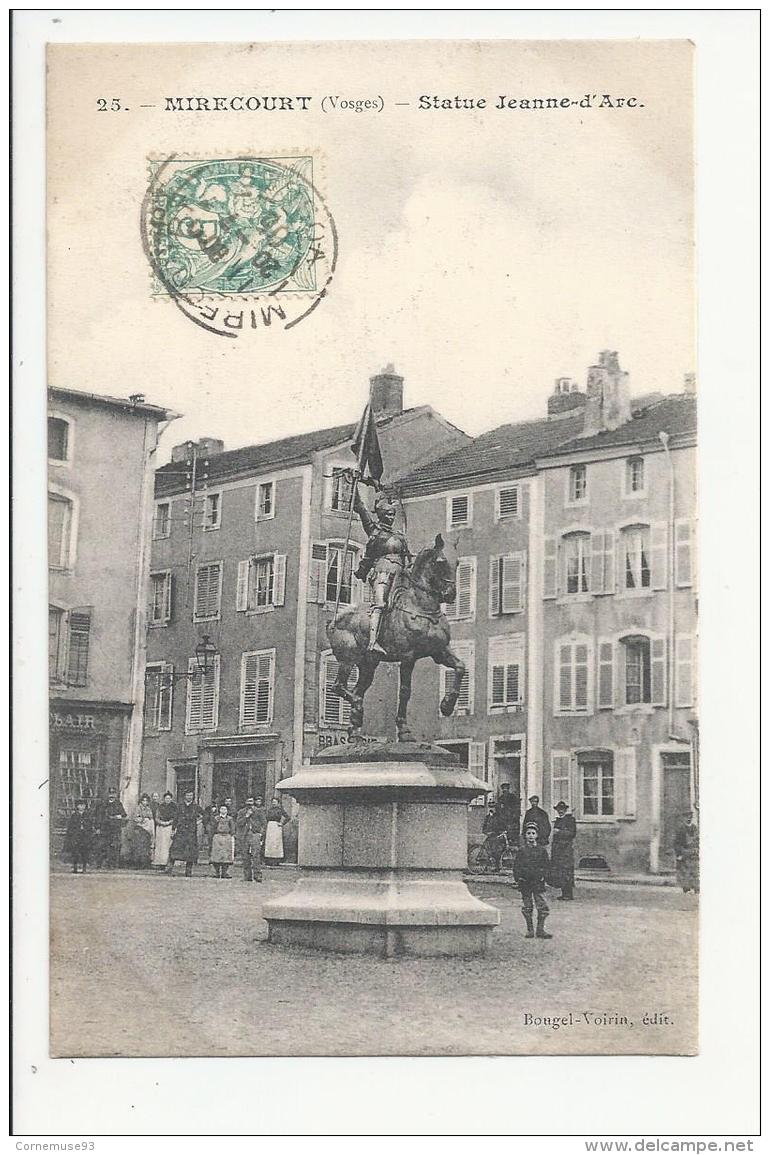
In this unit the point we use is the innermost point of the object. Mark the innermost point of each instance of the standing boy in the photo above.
(80, 832)
(530, 868)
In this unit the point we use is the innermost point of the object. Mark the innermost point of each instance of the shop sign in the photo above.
(340, 738)
(71, 721)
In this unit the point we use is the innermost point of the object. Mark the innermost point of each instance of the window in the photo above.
(208, 591)
(212, 511)
(56, 644)
(466, 652)
(334, 710)
(78, 777)
(265, 508)
(59, 531)
(257, 682)
(261, 583)
(159, 695)
(464, 608)
(161, 526)
(607, 783)
(508, 502)
(330, 573)
(597, 785)
(636, 558)
(505, 678)
(573, 688)
(340, 489)
(77, 650)
(58, 439)
(459, 511)
(577, 485)
(634, 477)
(576, 563)
(202, 697)
(161, 586)
(507, 583)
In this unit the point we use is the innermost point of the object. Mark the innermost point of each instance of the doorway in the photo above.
(239, 781)
(184, 780)
(677, 798)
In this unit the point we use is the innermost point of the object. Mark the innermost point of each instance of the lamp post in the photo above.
(205, 652)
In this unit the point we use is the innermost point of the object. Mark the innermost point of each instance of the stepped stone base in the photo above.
(382, 849)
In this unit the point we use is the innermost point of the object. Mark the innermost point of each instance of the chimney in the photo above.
(566, 398)
(609, 403)
(207, 447)
(387, 392)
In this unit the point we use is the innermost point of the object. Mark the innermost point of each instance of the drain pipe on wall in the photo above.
(664, 439)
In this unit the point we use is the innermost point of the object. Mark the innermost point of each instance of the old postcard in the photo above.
(372, 530)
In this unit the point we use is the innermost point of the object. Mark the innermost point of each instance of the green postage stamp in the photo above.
(241, 243)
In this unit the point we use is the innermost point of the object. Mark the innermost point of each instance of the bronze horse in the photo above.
(414, 628)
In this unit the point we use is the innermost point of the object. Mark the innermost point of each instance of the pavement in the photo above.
(143, 964)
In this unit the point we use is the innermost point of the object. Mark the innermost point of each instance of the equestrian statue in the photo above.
(404, 621)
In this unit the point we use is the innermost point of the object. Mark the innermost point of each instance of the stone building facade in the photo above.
(98, 557)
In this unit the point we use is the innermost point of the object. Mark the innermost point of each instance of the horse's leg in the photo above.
(449, 701)
(366, 669)
(406, 669)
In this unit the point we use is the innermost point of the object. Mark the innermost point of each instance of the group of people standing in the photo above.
(163, 832)
(532, 866)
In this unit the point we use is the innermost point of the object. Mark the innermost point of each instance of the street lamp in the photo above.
(205, 652)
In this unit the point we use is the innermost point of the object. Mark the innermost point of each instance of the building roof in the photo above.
(517, 447)
(281, 454)
(675, 415)
(132, 405)
(505, 448)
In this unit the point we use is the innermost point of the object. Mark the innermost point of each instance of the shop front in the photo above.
(86, 751)
(239, 768)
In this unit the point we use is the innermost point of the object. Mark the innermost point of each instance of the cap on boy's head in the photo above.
(531, 828)
(561, 806)
(535, 798)
(168, 794)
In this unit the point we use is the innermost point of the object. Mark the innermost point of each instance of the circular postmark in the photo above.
(240, 244)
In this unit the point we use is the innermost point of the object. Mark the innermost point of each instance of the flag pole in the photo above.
(357, 474)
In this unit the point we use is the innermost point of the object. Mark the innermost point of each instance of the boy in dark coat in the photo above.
(80, 833)
(530, 868)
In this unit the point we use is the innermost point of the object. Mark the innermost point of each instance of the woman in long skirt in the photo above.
(276, 819)
(164, 821)
(222, 843)
(140, 834)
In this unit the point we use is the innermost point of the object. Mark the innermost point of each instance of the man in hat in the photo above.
(241, 824)
(112, 818)
(387, 554)
(509, 806)
(539, 819)
(562, 852)
(184, 841)
(530, 868)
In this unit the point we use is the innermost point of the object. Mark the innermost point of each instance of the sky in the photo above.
(482, 253)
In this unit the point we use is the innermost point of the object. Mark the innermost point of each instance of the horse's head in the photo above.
(436, 572)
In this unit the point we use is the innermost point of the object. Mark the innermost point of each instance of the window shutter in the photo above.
(606, 673)
(249, 689)
(494, 586)
(658, 671)
(257, 680)
(77, 652)
(508, 502)
(265, 684)
(168, 598)
(465, 579)
(658, 551)
(317, 584)
(203, 697)
(467, 654)
(459, 510)
(625, 782)
(335, 711)
(683, 552)
(512, 583)
(685, 670)
(582, 676)
(279, 579)
(598, 576)
(477, 760)
(208, 590)
(609, 562)
(550, 557)
(242, 588)
(561, 780)
(563, 694)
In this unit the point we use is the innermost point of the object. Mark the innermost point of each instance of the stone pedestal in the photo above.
(382, 850)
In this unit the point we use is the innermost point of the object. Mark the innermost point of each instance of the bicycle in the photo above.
(481, 860)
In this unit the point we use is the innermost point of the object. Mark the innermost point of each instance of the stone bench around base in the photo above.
(382, 850)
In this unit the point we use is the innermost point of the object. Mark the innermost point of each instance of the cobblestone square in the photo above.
(147, 965)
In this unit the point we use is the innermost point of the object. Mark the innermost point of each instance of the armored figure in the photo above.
(387, 554)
